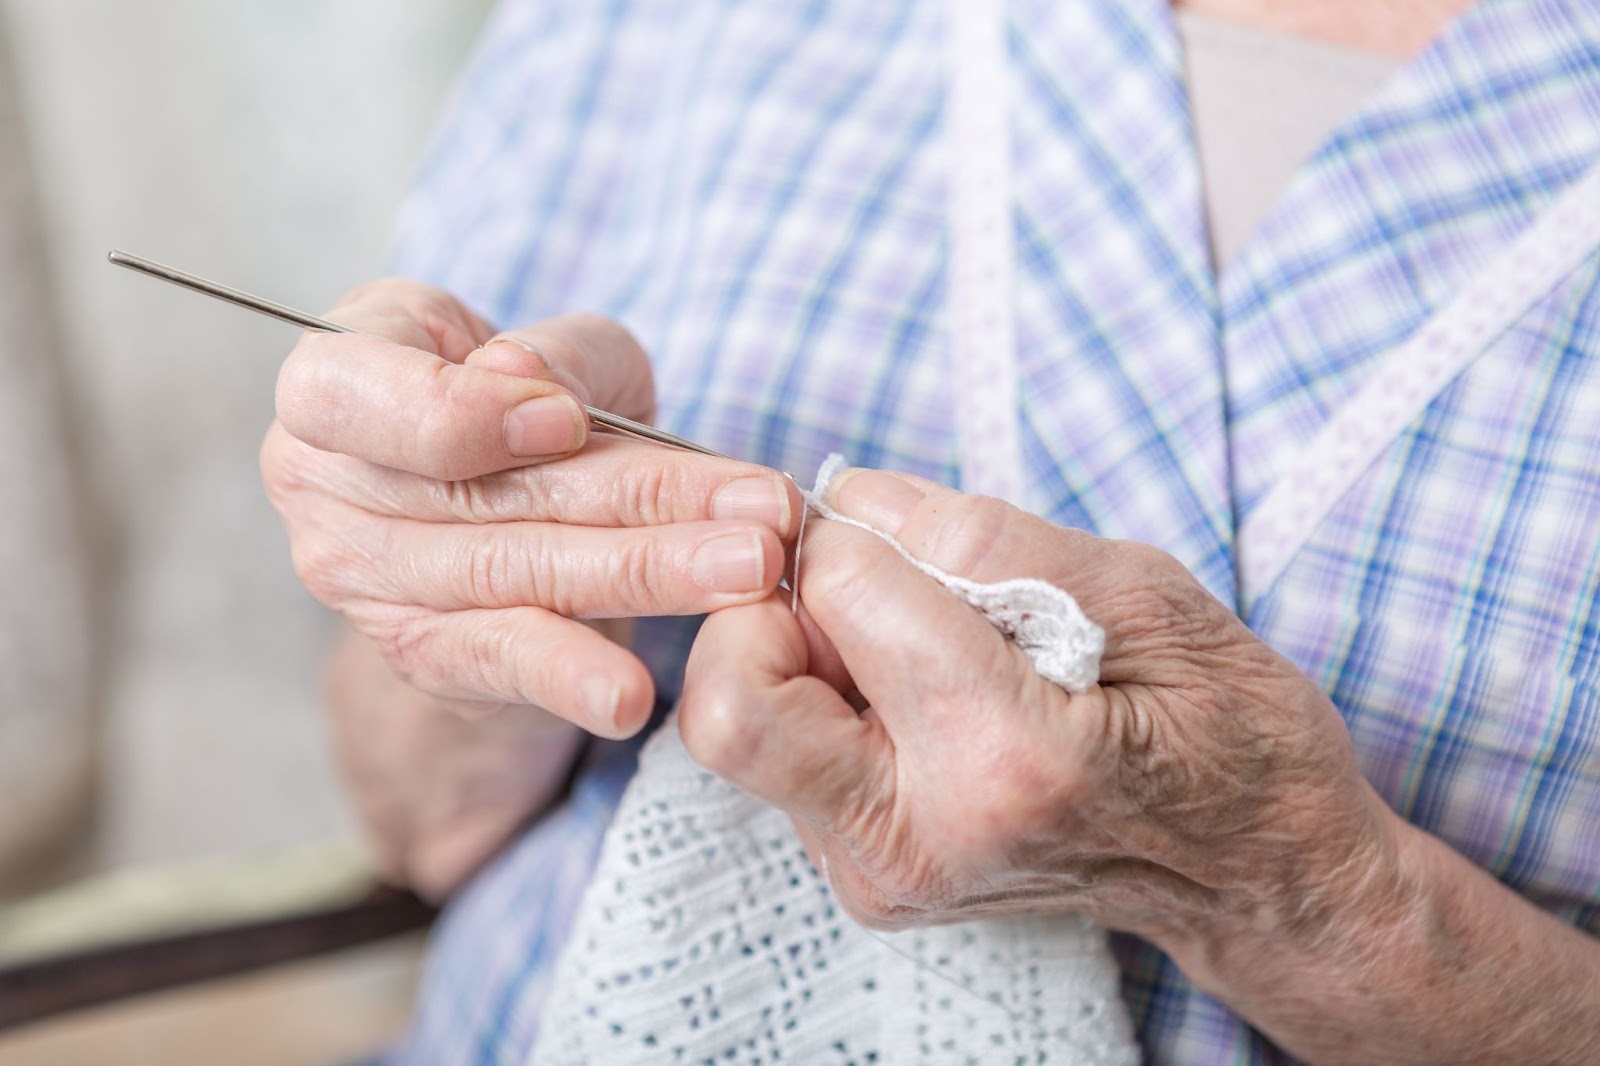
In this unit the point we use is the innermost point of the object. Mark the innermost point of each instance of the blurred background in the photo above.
(160, 738)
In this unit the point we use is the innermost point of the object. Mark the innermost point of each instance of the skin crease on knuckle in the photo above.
(402, 637)
(648, 493)
(328, 562)
(476, 500)
(459, 401)
(845, 577)
(635, 575)
(957, 533)
(417, 314)
(496, 570)
(282, 463)
(488, 657)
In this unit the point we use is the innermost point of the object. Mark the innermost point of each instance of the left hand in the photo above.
(1203, 795)
(1205, 784)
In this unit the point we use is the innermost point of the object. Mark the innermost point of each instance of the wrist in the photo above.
(1334, 931)
(1419, 956)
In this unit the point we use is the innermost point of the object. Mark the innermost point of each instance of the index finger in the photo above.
(614, 481)
(413, 410)
(415, 314)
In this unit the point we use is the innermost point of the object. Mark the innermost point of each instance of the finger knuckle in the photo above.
(324, 563)
(440, 435)
(490, 662)
(467, 500)
(1146, 559)
(957, 534)
(1164, 587)
(283, 462)
(647, 494)
(844, 577)
(496, 569)
(716, 730)
(634, 579)
(408, 645)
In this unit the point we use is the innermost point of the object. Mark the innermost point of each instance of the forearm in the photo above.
(1431, 960)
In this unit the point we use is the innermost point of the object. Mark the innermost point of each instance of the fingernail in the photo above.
(545, 425)
(601, 695)
(881, 500)
(753, 499)
(520, 356)
(730, 562)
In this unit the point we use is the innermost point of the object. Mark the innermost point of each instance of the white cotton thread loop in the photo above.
(1044, 621)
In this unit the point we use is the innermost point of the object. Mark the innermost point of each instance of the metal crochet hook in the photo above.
(305, 321)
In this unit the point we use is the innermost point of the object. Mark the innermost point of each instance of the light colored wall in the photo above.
(264, 143)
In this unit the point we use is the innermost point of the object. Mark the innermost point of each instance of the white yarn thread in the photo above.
(1041, 619)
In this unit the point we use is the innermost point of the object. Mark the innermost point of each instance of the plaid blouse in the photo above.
(757, 188)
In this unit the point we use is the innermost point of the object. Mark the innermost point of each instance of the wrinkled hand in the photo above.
(411, 467)
(1203, 783)
(438, 793)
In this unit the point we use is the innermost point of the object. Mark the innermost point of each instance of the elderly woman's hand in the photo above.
(1204, 795)
(1203, 778)
(410, 467)
(409, 464)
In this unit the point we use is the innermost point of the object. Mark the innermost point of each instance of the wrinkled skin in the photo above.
(1203, 777)
(423, 507)
(1203, 795)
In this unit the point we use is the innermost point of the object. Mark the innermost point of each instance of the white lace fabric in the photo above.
(707, 936)
(1041, 619)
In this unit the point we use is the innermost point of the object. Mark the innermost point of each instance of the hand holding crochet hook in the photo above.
(488, 587)
(442, 491)
(413, 467)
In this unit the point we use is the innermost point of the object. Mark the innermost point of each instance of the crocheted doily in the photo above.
(707, 937)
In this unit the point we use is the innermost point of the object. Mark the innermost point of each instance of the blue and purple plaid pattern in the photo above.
(757, 189)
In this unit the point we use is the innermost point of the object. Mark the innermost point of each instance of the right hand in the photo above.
(411, 466)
